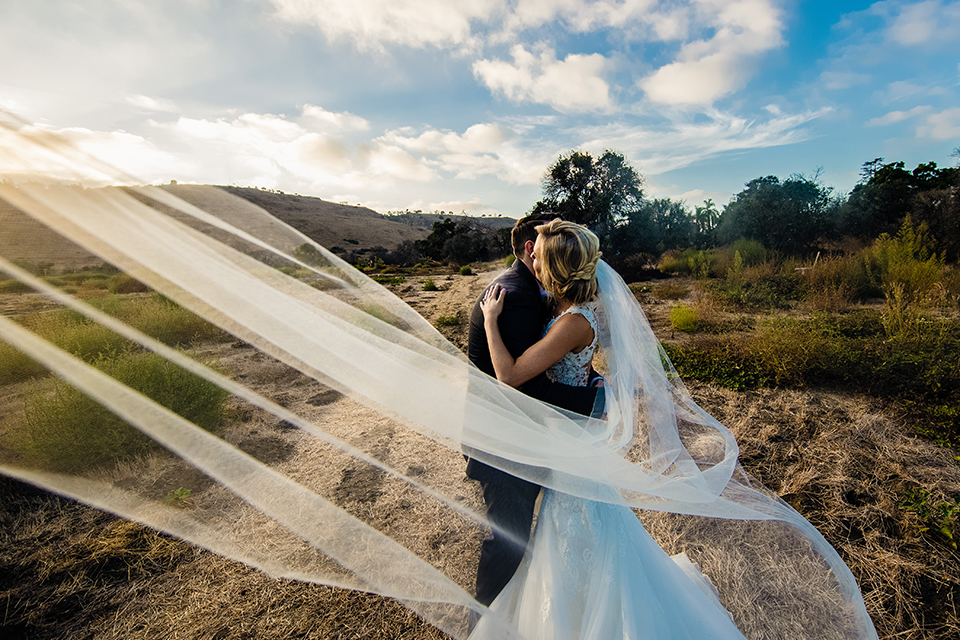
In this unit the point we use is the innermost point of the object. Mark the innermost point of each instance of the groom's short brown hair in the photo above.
(526, 229)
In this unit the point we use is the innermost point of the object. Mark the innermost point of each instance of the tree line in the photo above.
(797, 215)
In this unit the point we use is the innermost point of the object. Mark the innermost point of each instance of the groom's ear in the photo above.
(528, 248)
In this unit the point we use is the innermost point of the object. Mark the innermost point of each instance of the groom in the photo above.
(510, 500)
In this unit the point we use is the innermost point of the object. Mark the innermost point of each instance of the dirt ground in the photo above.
(69, 571)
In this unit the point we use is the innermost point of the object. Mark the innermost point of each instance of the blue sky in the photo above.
(461, 105)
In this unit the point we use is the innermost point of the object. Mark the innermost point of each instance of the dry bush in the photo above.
(670, 291)
(834, 299)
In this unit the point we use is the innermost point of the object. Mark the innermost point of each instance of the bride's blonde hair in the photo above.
(568, 260)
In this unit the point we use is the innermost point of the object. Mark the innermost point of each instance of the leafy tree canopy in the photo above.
(789, 215)
(888, 192)
(594, 192)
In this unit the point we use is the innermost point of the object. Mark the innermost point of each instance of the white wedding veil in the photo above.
(228, 261)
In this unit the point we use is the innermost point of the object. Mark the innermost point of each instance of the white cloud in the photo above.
(478, 138)
(706, 70)
(372, 23)
(923, 23)
(899, 90)
(91, 158)
(897, 116)
(941, 126)
(656, 150)
(153, 104)
(393, 162)
(843, 79)
(329, 120)
(574, 84)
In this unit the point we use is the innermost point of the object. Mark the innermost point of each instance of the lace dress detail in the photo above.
(592, 572)
(574, 368)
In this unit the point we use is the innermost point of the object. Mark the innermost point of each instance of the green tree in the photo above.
(706, 218)
(888, 192)
(674, 224)
(595, 192)
(463, 241)
(789, 215)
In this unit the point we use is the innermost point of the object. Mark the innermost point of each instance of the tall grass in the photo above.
(849, 351)
(153, 315)
(64, 430)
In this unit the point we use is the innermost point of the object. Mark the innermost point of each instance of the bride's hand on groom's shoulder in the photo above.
(492, 302)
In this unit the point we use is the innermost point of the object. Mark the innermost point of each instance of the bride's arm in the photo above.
(570, 332)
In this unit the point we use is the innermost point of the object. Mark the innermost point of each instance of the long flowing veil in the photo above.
(303, 310)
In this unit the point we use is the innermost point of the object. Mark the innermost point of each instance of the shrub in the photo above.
(835, 282)
(447, 321)
(676, 261)
(465, 270)
(122, 283)
(745, 295)
(65, 430)
(156, 316)
(937, 518)
(670, 291)
(16, 366)
(908, 262)
(717, 359)
(14, 286)
(430, 285)
(751, 251)
(683, 318)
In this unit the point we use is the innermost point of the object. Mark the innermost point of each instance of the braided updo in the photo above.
(568, 259)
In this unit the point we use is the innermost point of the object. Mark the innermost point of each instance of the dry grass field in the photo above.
(68, 571)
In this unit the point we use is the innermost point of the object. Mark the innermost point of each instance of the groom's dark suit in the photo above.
(510, 500)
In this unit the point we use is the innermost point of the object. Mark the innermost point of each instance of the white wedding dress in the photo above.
(593, 572)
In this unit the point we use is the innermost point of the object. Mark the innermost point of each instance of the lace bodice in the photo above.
(574, 368)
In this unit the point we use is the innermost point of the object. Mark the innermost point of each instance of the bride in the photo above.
(591, 571)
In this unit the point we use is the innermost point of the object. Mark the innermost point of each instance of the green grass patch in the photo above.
(936, 518)
(683, 318)
(447, 321)
(430, 285)
(721, 362)
(65, 430)
(14, 286)
(389, 279)
(154, 315)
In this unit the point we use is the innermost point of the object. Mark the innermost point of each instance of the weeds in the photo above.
(66, 430)
(936, 518)
(179, 498)
(683, 318)
(447, 321)
(430, 285)
(670, 291)
(154, 315)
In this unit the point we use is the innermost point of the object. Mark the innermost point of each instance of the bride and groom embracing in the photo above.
(591, 570)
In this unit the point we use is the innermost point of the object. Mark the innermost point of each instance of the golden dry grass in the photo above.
(843, 461)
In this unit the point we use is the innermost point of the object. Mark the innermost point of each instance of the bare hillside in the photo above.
(328, 223)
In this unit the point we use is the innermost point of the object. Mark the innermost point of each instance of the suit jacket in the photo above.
(521, 325)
